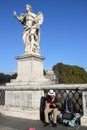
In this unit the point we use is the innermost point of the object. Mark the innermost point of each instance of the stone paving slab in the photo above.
(7, 128)
(11, 123)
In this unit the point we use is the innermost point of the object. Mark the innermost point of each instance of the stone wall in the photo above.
(24, 101)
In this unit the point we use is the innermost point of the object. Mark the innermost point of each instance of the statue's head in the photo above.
(28, 7)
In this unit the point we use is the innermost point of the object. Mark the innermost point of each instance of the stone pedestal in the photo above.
(24, 93)
(24, 104)
(29, 67)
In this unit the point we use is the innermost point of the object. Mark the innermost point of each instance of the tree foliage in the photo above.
(44, 72)
(70, 74)
(4, 78)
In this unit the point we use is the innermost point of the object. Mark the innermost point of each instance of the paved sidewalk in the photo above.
(11, 123)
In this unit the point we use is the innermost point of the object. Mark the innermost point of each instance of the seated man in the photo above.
(51, 105)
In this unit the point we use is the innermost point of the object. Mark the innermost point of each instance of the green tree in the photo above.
(70, 74)
(44, 72)
(4, 78)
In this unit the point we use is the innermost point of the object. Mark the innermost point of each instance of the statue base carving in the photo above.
(30, 66)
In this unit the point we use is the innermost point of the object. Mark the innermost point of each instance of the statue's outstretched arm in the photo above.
(18, 18)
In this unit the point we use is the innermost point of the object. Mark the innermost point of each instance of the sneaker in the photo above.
(46, 124)
(54, 125)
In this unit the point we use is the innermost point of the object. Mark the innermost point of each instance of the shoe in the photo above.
(46, 124)
(54, 125)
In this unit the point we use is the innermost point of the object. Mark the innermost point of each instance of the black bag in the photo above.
(42, 107)
(68, 116)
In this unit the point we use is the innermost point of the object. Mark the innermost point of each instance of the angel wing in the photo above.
(39, 18)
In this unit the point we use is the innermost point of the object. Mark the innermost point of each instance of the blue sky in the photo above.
(63, 32)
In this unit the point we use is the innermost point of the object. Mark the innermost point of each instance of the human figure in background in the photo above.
(51, 105)
(69, 106)
(31, 34)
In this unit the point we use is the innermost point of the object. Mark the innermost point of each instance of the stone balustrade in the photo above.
(24, 101)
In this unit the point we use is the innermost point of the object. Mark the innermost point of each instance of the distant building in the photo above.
(50, 74)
